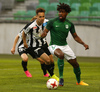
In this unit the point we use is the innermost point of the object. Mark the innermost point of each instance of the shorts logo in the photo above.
(53, 47)
(36, 50)
(21, 49)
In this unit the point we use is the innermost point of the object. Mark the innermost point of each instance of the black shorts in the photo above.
(38, 51)
(26, 51)
(21, 51)
(46, 50)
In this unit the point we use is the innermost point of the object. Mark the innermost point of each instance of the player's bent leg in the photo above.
(59, 53)
(60, 63)
(51, 58)
(40, 60)
(49, 67)
(52, 62)
(24, 61)
(43, 67)
(46, 58)
(77, 72)
(24, 57)
(76, 69)
(24, 64)
(74, 62)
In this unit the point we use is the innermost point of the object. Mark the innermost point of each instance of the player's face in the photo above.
(40, 18)
(62, 14)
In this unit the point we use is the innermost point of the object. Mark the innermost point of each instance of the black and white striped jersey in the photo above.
(28, 38)
(35, 30)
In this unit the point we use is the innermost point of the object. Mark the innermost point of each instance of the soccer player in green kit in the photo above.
(59, 28)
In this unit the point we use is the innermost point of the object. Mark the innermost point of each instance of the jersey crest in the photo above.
(35, 27)
(44, 24)
(66, 26)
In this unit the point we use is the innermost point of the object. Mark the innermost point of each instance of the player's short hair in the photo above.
(64, 6)
(40, 10)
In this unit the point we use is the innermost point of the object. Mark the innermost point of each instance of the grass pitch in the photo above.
(13, 79)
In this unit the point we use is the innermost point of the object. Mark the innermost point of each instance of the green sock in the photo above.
(77, 72)
(60, 67)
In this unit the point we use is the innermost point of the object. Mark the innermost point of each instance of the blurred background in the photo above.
(85, 14)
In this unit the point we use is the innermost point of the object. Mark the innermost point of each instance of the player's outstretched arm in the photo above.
(14, 45)
(78, 39)
(24, 39)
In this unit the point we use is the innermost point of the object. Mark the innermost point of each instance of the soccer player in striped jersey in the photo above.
(39, 45)
(23, 53)
(59, 28)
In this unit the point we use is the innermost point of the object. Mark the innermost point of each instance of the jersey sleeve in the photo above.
(27, 28)
(20, 35)
(72, 29)
(49, 25)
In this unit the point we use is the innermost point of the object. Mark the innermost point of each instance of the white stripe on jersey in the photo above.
(28, 41)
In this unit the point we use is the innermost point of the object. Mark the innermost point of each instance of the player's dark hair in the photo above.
(64, 6)
(40, 10)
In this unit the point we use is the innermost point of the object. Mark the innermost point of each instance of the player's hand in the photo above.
(12, 50)
(86, 46)
(25, 45)
(43, 34)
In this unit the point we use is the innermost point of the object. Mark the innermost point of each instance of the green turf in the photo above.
(13, 79)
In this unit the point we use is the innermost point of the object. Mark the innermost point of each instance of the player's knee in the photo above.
(61, 56)
(25, 59)
(59, 53)
(76, 65)
(47, 63)
(48, 60)
(51, 60)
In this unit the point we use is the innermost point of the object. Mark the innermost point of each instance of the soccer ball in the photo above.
(52, 84)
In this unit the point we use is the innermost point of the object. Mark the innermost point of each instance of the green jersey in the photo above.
(59, 31)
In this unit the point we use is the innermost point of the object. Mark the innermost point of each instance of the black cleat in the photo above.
(61, 82)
